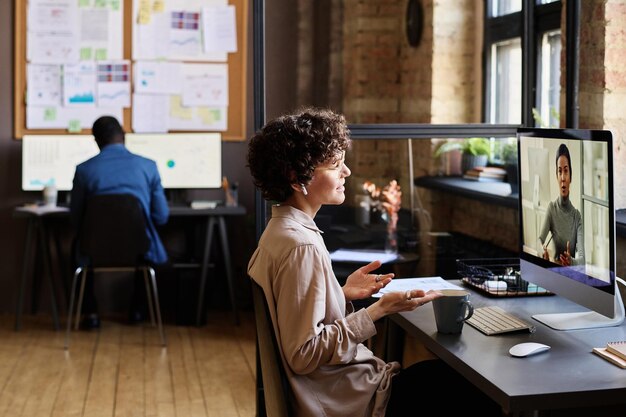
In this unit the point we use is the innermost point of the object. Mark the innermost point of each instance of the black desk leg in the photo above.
(229, 270)
(28, 257)
(63, 268)
(394, 346)
(45, 251)
(205, 266)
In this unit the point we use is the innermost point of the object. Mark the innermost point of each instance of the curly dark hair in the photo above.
(287, 149)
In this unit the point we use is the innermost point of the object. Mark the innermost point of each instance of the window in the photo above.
(523, 57)
(522, 53)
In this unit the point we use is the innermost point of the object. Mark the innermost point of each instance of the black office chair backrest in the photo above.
(113, 231)
(277, 391)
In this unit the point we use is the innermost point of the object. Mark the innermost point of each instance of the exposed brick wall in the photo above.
(602, 82)
(454, 73)
(376, 77)
(384, 81)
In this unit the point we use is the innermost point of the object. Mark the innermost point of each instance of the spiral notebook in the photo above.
(617, 348)
(614, 352)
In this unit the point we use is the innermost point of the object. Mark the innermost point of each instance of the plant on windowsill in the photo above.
(474, 152)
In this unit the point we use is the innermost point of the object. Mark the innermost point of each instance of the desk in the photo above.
(568, 376)
(37, 217)
(213, 217)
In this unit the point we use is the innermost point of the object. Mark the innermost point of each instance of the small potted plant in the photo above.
(474, 152)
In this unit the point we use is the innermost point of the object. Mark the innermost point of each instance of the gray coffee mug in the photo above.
(452, 310)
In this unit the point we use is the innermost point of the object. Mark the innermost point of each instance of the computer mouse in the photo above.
(528, 348)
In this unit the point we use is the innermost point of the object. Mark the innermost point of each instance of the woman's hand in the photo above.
(565, 258)
(362, 283)
(396, 302)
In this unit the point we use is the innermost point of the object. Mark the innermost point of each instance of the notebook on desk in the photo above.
(365, 256)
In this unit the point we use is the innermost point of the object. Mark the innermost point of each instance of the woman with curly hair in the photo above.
(298, 162)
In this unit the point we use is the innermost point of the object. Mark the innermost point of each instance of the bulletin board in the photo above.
(235, 125)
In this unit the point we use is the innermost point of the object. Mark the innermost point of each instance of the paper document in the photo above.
(365, 256)
(426, 284)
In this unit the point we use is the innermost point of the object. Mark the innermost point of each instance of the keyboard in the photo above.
(494, 320)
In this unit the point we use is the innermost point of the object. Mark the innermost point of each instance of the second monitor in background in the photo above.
(184, 160)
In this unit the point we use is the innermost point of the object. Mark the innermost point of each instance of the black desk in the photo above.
(213, 217)
(568, 376)
(37, 224)
(37, 235)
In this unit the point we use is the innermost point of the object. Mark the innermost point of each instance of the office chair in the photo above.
(276, 388)
(112, 237)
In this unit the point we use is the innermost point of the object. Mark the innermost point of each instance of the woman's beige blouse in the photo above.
(330, 370)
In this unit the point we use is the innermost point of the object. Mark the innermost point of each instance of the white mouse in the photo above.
(528, 348)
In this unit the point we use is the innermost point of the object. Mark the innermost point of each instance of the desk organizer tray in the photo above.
(498, 277)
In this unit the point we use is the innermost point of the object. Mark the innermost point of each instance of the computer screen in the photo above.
(184, 160)
(567, 222)
(52, 159)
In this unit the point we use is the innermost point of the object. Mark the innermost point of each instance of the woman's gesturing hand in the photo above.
(362, 283)
(398, 301)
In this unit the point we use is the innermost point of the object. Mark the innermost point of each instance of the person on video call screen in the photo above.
(563, 221)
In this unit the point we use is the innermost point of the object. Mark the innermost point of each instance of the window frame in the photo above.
(529, 25)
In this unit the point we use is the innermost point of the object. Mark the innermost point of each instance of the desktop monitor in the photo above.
(580, 217)
(184, 160)
(52, 159)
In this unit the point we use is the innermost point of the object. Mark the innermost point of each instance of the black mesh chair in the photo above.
(276, 390)
(112, 237)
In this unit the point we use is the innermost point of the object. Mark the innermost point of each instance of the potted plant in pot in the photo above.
(474, 152)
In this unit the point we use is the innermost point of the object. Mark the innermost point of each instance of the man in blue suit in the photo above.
(115, 170)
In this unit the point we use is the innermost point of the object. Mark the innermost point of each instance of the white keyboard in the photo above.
(494, 320)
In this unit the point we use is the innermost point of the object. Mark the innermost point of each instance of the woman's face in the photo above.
(563, 175)
(327, 184)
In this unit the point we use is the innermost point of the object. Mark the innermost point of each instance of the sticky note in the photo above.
(74, 126)
(178, 111)
(101, 54)
(145, 13)
(86, 54)
(50, 114)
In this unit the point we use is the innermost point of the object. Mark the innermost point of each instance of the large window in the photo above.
(523, 64)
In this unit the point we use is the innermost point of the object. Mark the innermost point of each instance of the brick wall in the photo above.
(602, 82)
(376, 77)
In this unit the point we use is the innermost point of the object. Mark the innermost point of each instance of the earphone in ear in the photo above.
(304, 191)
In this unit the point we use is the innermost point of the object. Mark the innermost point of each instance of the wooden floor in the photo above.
(122, 370)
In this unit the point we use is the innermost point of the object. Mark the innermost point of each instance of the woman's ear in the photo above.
(299, 188)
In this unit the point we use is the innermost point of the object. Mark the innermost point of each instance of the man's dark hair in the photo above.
(107, 130)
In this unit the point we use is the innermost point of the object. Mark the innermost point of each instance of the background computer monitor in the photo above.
(184, 160)
(52, 159)
(591, 284)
